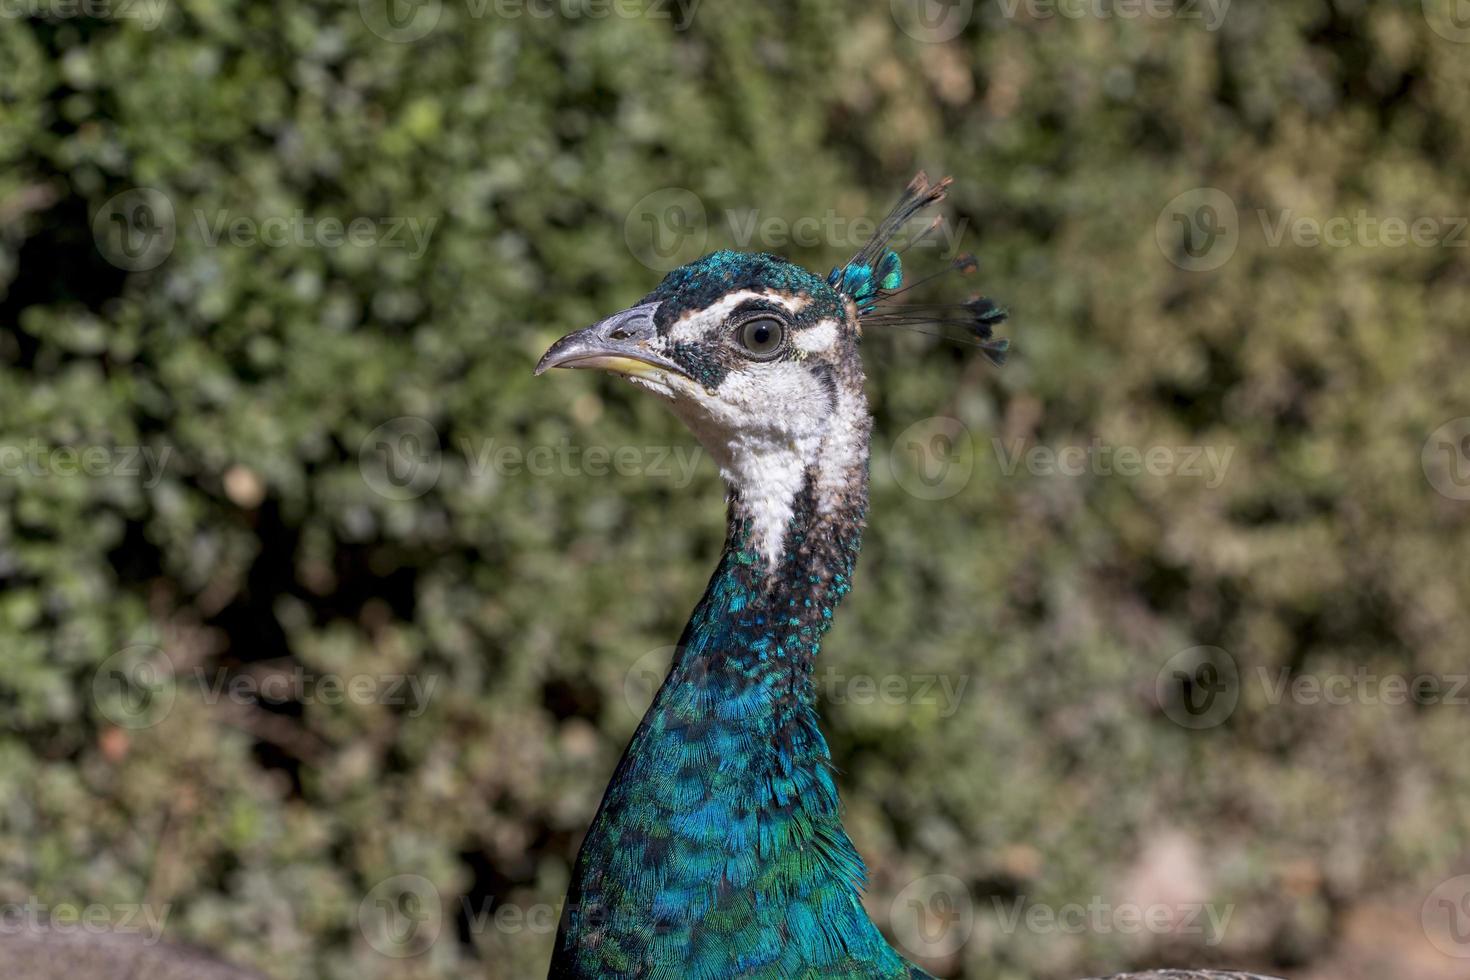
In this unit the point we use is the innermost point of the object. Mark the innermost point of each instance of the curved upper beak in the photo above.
(621, 343)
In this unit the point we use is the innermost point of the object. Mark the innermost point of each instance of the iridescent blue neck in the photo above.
(719, 848)
(753, 613)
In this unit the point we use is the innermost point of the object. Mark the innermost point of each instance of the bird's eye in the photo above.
(762, 336)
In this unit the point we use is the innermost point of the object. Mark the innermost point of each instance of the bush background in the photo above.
(534, 143)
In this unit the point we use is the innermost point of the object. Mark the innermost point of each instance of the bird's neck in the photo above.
(724, 809)
(773, 596)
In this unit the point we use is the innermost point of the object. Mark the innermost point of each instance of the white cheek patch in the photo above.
(763, 428)
(696, 325)
(818, 338)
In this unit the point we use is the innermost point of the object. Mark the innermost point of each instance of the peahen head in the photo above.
(760, 359)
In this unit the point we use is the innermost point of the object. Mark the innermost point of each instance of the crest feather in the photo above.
(875, 275)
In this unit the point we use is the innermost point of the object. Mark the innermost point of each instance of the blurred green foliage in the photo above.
(261, 374)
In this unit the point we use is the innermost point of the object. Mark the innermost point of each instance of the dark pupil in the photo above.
(762, 336)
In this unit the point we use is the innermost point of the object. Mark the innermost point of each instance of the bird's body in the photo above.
(718, 850)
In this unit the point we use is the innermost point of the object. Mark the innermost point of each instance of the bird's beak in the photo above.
(621, 343)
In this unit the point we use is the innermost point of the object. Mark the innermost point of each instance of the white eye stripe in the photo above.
(696, 323)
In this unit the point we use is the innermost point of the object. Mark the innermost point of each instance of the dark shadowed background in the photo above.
(322, 622)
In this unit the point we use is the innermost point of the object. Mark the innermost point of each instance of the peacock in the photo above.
(718, 850)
